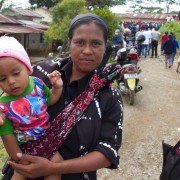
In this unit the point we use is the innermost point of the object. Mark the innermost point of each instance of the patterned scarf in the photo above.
(61, 126)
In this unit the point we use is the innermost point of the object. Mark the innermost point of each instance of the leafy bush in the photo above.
(3, 156)
(173, 27)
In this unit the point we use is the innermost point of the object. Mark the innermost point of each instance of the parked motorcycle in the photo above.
(128, 83)
(132, 55)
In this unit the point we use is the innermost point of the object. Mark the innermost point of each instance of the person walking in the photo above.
(139, 45)
(154, 42)
(164, 38)
(176, 47)
(168, 49)
(145, 44)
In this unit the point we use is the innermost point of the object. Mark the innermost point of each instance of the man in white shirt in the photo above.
(168, 18)
(154, 43)
(145, 44)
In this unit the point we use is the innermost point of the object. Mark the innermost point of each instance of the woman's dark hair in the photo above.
(87, 19)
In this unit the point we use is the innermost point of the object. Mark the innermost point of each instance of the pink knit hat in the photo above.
(10, 47)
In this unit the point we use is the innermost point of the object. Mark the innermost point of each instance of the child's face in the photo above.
(14, 76)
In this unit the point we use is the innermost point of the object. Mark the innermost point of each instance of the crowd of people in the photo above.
(129, 32)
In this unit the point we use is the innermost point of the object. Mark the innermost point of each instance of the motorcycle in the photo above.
(128, 84)
(132, 56)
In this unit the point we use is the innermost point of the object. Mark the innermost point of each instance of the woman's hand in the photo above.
(35, 166)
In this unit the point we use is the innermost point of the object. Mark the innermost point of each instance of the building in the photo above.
(145, 17)
(27, 27)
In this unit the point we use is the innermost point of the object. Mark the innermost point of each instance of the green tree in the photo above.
(110, 18)
(89, 3)
(1, 4)
(62, 14)
(146, 5)
(168, 3)
(44, 3)
(103, 3)
(173, 27)
(65, 11)
(145, 9)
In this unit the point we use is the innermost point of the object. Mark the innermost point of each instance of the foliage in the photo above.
(102, 3)
(147, 5)
(1, 4)
(168, 3)
(139, 8)
(110, 18)
(173, 27)
(65, 11)
(45, 3)
(3, 156)
(62, 14)
(89, 3)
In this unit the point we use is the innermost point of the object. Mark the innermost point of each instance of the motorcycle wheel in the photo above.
(130, 97)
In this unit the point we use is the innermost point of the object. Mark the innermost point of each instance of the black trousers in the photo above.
(154, 45)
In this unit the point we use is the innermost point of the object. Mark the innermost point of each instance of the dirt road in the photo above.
(154, 117)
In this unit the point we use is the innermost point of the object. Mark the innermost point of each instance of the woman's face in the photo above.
(87, 48)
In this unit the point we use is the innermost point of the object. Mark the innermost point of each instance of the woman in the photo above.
(168, 49)
(96, 138)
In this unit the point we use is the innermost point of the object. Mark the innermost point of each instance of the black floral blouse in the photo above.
(100, 127)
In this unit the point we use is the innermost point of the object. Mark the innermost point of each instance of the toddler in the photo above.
(24, 101)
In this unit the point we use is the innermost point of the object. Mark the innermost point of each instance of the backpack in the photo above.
(171, 162)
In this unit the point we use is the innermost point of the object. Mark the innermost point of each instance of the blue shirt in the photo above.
(176, 45)
(116, 40)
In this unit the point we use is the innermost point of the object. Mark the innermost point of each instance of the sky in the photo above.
(116, 9)
(18, 3)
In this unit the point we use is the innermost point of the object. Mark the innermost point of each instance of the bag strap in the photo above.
(61, 126)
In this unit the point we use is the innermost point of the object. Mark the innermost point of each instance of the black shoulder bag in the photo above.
(171, 162)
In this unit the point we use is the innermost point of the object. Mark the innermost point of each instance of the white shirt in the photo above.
(147, 35)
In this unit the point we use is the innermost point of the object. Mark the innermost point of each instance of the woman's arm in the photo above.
(11, 146)
(38, 166)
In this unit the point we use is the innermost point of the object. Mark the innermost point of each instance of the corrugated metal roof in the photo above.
(6, 19)
(10, 25)
(26, 12)
(18, 29)
(33, 24)
(148, 16)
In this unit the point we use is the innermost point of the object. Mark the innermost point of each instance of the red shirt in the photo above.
(164, 38)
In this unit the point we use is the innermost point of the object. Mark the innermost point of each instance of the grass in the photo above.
(3, 157)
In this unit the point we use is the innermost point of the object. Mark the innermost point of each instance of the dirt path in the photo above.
(153, 118)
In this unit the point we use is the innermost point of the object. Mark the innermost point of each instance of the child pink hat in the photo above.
(10, 47)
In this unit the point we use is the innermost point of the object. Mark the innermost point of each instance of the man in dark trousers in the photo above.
(154, 42)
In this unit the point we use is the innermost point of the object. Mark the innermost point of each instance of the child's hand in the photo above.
(55, 79)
